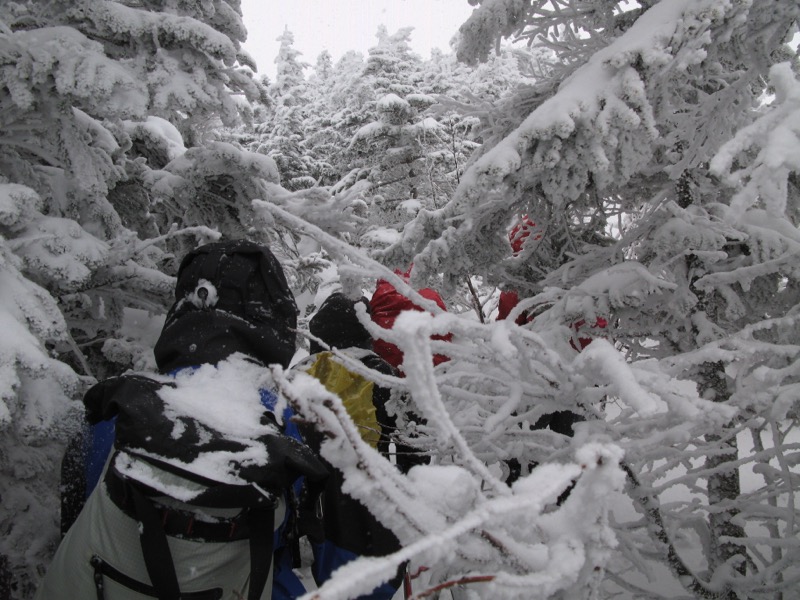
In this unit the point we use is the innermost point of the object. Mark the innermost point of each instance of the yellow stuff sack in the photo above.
(354, 390)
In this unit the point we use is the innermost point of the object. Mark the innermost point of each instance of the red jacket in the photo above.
(509, 298)
(385, 305)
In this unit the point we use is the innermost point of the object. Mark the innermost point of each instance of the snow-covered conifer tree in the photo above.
(281, 136)
(387, 146)
(319, 131)
(337, 111)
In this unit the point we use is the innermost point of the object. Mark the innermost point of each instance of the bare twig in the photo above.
(449, 584)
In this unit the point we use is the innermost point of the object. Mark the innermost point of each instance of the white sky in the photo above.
(341, 25)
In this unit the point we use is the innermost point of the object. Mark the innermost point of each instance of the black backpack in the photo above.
(230, 297)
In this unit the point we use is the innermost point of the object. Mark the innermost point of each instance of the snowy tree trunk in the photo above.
(723, 485)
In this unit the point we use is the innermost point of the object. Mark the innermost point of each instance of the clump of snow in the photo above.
(60, 250)
(34, 388)
(161, 131)
(547, 481)
(18, 204)
(217, 158)
(380, 237)
(225, 398)
(80, 70)
(410, 207)
(625, 284)
(428, 124)
(777, 132)
(679, 234)
(602, 357)
(129, 21)
(422, 100)
(500, 340)
(462, 488)
(392, 102)
(368, 132)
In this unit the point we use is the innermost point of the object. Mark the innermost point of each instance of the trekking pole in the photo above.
(407, 592)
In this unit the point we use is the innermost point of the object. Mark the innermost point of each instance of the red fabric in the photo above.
(600, 323)
(385, 305)
(508, 300)
(521, 232)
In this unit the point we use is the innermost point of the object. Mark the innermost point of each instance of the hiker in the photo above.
(347, 529)
(386, 304)
(192, 499)
(562, 421)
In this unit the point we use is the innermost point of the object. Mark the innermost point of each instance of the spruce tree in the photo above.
(283, 135)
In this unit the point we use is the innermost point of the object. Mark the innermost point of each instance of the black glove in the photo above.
(288, 460)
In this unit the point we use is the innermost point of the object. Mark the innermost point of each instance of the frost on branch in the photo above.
(335, 215)
(776, 134)
(491, 21)
(192, 51)
(213, 185)
(599, 129)
(457, 517)
(72, 65)
(513, 543)
(58, 250)
(611, 126)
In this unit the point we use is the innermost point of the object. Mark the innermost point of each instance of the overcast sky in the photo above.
(341, 25)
